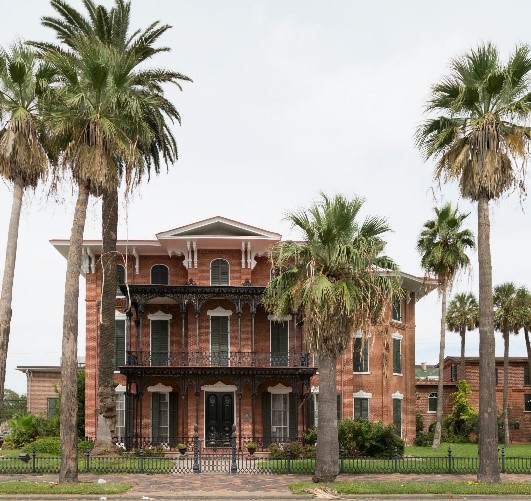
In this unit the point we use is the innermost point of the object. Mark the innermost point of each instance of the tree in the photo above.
(522, 313)
(13, 405)
(506, 320)
(335, 279)
(112, 29)
(462, 315)
(443, 246)
(23, 160)
(477, 138)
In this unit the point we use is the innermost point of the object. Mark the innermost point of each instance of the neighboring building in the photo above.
(194, 344)
(43, 387)
(519, 392)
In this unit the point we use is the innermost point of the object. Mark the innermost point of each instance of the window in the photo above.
(397, 415)
(432, 402)
(312, 409)
(397, 355)
(361, 408)
(527, 402)
(361, 355)
(219, 340)
(159, 342)
(453, 372)
(526, 376)
(219, 272)
(160, 421)
(279, 343)
(397, 310)
(279, 416)
(120, 279)
(119, 343)
(120, 416)
(53, 406)
(159, 274)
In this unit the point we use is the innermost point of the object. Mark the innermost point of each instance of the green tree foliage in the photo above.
(462, 412)
(14, 404)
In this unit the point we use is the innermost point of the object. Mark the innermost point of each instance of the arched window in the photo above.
(159, 274)
(120, 278)
(432, 402)
(219, 272)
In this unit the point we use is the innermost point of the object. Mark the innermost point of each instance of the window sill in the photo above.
(432, 412)
(366, 372)
(397, 374)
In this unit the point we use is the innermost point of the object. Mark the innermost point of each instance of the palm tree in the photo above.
(23, 160)
(112, 28)
(463, 315)
(522, 313)
(443, 246)
(506, 320)
(479, 134)
(334, 279)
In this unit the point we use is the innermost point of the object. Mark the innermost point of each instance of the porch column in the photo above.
(253, 314)
(239, 313)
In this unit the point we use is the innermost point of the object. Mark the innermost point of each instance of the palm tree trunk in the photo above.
(327, 450)
(106, 418)
(463, 333)
(7, 282)
(506, 438)
(69, 469)
(440, 387)
(489, 470)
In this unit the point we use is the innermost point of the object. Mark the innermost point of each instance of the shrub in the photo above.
(309, 437)
(45, 445)
(423, 439)
(293, 449)
(23, 430)
(360, 437)
(419, 423)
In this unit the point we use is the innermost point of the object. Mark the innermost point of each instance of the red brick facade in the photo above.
(519, 391)
(43, 384)
(251, 377)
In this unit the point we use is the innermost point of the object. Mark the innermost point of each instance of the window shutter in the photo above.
(119, 343)
(266, 418)
(339, 408)
(279, 343)
(397, 362)
(293, 422)
(155, 408)
(219, 272)
(397, 415)
(120, 278)
(128, 421)
(159, 275)
(526, 376)
(173, 419)
(219, 340)
(159, 342)
(310, 410)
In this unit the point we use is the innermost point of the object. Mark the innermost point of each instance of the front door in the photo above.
(219, 418)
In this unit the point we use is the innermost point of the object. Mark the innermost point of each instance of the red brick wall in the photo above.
(41, 386)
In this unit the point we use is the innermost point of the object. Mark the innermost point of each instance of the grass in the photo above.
(458, 488)
(55, 488)
(468, 450)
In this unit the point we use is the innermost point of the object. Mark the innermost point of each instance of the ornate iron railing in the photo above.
(242, 359)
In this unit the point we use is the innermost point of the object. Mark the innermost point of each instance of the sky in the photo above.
(289, 99)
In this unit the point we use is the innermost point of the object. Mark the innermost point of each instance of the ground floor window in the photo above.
(53, 406)
(397, 415)
(527, 402)
(279, 416)
(120, 416)
(432, 402)
(160, 418)
(361, 408)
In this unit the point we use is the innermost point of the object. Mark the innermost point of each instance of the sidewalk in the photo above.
(225, 486)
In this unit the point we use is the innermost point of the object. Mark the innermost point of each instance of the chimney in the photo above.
(424, 366)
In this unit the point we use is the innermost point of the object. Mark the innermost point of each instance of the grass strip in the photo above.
(24, 487)
(396, 487)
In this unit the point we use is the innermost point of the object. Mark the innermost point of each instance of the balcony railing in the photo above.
(216, 359)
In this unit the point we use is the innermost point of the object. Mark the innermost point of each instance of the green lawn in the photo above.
(54, 488)
(457, 488)
(468, 450)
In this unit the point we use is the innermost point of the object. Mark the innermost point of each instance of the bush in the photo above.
(361, 437)
(52, 445)
(423, 439)
(309, 437)
(292, 449)
(419, 423)
(23, 430)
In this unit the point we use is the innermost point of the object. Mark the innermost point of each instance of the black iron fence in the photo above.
(232, 461)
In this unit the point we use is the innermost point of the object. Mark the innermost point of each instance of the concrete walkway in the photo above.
(225, 486)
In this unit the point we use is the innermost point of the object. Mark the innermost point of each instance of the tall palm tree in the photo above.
(333, 279)
(23, 160)
(112, 28)
(443, 246)
(479, 133)
(506, 320)
(523, 319)
(463, 315)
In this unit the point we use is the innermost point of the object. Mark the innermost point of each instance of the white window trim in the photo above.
(430, 396)
(219, 312)
(159, 388)
(359, 335)
(398, 336)
(279, 389)
(397, 395)
(210, 269)
(151, 269)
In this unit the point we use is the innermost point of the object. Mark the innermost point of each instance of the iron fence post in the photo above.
(341, 459)
(288, 457)
(233, 465)
(33, 460)
(395, 457)
(503, 460)
(87, 460)
(141, 452)
(449, 460)
(196, 468)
